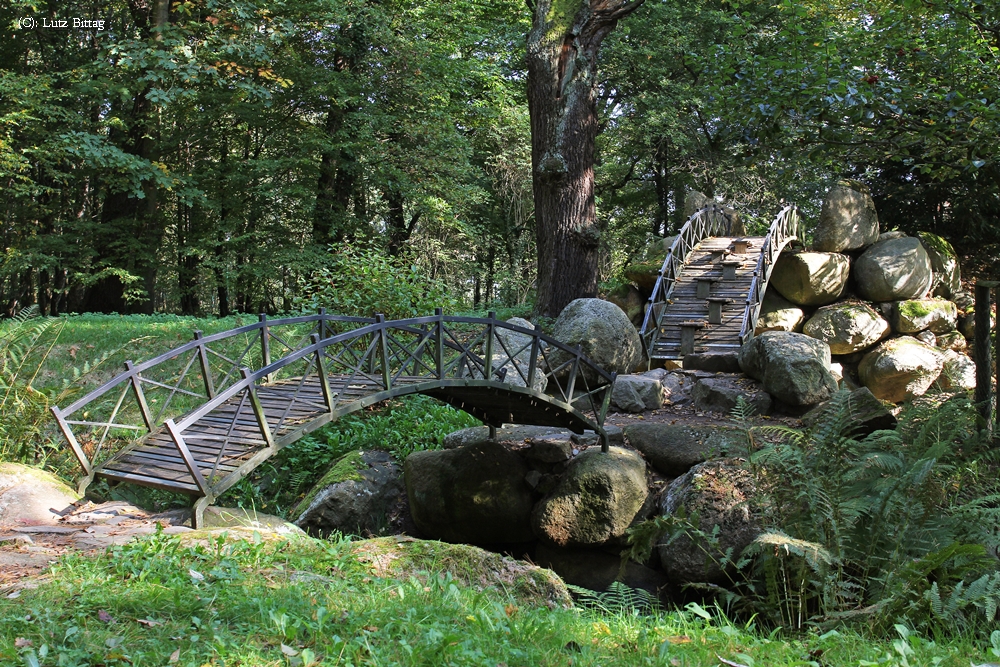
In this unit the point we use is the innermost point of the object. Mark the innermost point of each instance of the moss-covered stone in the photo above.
(900, 369)
(847, 327)
(937, 315)
(345, 468)
(944, 262)
(595, 501)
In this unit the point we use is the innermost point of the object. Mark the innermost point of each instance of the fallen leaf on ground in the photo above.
(175, 656)
(21, 642)
(105, 616)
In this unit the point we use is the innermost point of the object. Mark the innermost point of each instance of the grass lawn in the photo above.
(251, 601)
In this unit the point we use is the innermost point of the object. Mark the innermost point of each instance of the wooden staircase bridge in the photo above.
(709, 292)
(199, 418)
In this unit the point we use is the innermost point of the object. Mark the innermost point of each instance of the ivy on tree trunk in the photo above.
(562, 77)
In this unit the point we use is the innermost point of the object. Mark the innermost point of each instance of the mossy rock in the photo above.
(27, 494)
(847, 327)
(900, 369)
(936, 315)
(945, 264)
(403, 558)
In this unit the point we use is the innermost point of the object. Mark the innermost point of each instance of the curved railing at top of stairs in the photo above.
(783, 231)
(709, 221)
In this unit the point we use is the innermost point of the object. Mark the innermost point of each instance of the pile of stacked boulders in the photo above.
(890, 306)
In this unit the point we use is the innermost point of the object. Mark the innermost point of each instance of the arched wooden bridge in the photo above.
(708, 295)
(200, 417)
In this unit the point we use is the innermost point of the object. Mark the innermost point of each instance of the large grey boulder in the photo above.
(721, 394)
(604, 334)
(644, 270)
(944, 263)
(673, 449)
(719, 494)
(865, 414)
(637, 393)
(512, 353)
(793, 368)
(630, 300)
(893, 270)
(936, 315)
(958, 372)
(28, 495)
(900, 368)
(596, 569)
(694, 201)
(779, 314)
(847, 327)
(595, 501)
(811, 278)
(353, 496)
(475, 494)
(848, 219)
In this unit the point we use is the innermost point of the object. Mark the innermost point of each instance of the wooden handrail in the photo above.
(783, 231)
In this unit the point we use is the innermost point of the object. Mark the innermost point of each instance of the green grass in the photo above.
(255, 602)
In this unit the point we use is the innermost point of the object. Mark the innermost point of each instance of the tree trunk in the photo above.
(562, 77)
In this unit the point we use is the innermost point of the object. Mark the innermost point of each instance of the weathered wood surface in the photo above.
(705, 261)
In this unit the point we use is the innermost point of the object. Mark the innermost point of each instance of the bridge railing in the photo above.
(385, 359)
(709, 221)
(369, 360)
(143, 397)
(783, 230)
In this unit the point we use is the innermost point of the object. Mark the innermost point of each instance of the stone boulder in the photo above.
(604, 333)
(720, 394)
(512, 353)
(952, 340)
(793, 368)
(595, 501)
(958, 372)
(779, 314)
(673, 449)
(517, 435)
(848, 220)
(811, 278)
(893, 234)
(630, 300)
(719, 494)
(936, 315)
(694, 201)
(475, 494)
(944, 263)
(847, 327)
(676, 386)
(637, 393)
(900, 368)
(353, 496)
(893, 270)
(865, 414)
(28, 496)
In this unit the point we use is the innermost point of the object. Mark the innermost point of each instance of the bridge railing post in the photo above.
(140, 396)
(488, 357)
(606, 401)
(574, 371)
(188, 459)
(533, 360)
(324, 382)
(321, 325)
(206, 368)
(439, 342)
(384, 351)
(258, 410)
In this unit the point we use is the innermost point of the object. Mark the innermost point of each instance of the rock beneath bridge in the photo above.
(475, 494)
(673, 449)
(793, 368)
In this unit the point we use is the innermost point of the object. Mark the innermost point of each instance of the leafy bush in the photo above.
(891, 528)
(362, 281)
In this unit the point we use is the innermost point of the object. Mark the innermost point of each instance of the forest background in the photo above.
(213, 157)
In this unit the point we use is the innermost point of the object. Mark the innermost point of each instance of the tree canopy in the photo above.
(208, 157)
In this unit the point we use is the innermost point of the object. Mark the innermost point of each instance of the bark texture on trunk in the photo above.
(562, 78)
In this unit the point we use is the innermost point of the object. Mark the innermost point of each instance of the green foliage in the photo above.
(879, 529)
(401, 426)
(259, 600)
(619, 598)
(363, 281)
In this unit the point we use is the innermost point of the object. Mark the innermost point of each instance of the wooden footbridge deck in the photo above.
(708, 295)
(199, 418)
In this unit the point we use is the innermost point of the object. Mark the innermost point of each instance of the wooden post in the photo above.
(533, 361)
(140, 397)
(384, 352)
(488, 361)
(73, 444)
(572, 375)
(981, 353)
(439, 342)
(321, 369)
(206, 368)
(322, 323)
(265, 342)
(258, 411)
(189, 461)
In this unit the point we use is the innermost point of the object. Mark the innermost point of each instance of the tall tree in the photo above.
(563, 43)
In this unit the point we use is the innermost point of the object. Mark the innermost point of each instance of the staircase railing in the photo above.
(709, 221)
(783, 231)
